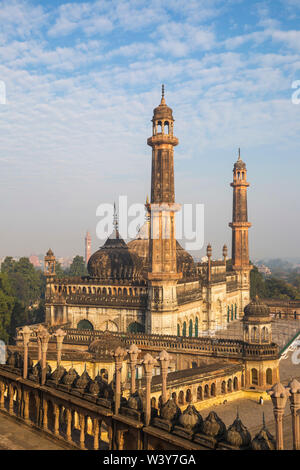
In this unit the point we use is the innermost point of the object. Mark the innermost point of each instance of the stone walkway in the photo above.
(17, 436)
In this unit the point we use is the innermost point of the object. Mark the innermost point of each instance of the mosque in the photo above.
(151, 284)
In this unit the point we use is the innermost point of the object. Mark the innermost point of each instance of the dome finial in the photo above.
(239, 154)
(163, 101)
(115, 221)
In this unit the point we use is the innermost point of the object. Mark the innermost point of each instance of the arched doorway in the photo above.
(184, 329)
(85, 325)
(254, 376)
(269, 376)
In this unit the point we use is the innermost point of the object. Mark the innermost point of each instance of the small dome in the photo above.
(58, 374)
(240, 165)
(115, 261)
(163, 111)
(170, 411)
(135, 402)
(264, 440)
(105, 344)
(50, 252)
(256, 309)
(70, 377)
(83, 381)
(213, 426)
(237, 434)
(191, 419)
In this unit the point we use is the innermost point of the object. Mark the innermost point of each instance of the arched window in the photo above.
(254, 334)
(184, 329)
(85, 325)
(178, 329)
(153, 402)
(196, 327)
(174, 397)
(254, 376)
(228, 314)
(181, 398)
(190, 328)
(231, 312)
(199, 393)
(223, 387)
(264, 334)
(269, 377)
(235, 383)
(188, 396)
(159, 127)
(229, 385)
(213, 390)
(136, 327)
(166, 127)
(206, 391)
(235, 311)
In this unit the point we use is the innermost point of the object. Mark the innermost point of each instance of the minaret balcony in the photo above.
(160, 139)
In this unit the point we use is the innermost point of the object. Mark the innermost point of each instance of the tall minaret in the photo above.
(240, 226)
(88, 243)
(162, 276)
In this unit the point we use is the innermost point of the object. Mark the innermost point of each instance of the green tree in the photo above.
(78, 267)
(7, 302)
(257, 284)
(59, 271)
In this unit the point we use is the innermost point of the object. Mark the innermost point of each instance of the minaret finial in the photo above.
(239, 154)
(162, 90)
(115, 221)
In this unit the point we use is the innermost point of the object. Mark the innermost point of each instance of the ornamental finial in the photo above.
(239, 154)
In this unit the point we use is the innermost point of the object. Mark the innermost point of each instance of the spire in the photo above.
(163, 101)
(115, 221)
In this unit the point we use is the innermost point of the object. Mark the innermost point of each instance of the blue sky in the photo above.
(82, 79)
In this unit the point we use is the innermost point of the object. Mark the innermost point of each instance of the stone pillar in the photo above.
(294, 395)
(164, 360)
(26, 332)
(82, 431)
(45, 415)
(40, 329)
(69, 425)
(148, 364)
(60, 334)
(56, 419)
(2, 391)
(118, 357)
(44, 337)
(96, 434)
(11, 399)
(133, 352)
(26, 405)
(279, 396)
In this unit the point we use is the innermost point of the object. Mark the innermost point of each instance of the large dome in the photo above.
(140, 247)
(115, 261)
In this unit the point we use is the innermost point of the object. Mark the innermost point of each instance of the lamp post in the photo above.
(60, 334)
(279, 396)
(148, 364)
(164, 360)
(118, 356)
(294, 396)
(26, 332)
(133, 352)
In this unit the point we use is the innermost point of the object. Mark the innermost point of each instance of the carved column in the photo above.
(148, 364)
(56, 419)
(118, 357)
(69, 425)
(294, 389)
(44, 337)
(26, 332)
(10, 399)
(96, 434)
(82, 431)
(60, 334)
(26, 405)
(2, 391)
(133, 355)
(279, 396)
(164, 360)
(40, 329)
(45, 415)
